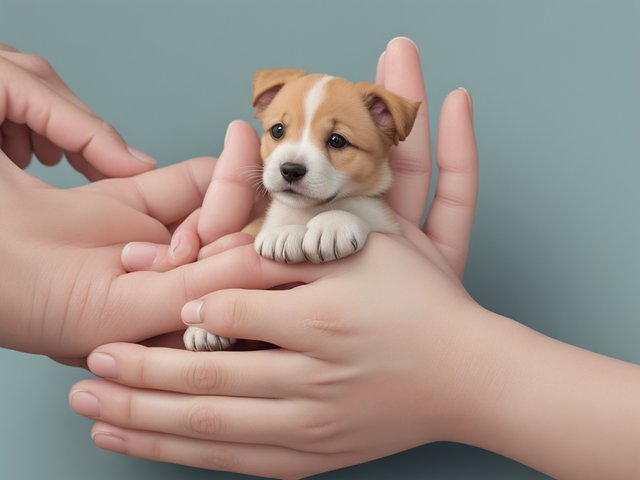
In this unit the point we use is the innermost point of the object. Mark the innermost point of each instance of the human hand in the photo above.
(40, 115)
(451, 214)
(62, 286)
(373, 359)
(368, 364)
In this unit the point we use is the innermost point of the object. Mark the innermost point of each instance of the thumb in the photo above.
(229, 199)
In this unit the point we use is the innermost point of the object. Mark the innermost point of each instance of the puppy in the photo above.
(325, 146)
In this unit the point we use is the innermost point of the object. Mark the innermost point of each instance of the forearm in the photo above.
(560, 409)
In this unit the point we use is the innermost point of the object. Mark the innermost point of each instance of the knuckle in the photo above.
(326, 325)
(204, 421)
(232, 311)
(38, 65)
(216, 458)
(107, 128)
(204, 376)
(317, 430)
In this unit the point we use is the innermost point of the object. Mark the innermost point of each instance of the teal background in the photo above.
(555, 86)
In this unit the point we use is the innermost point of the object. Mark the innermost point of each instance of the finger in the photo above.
(229, 419)
(411, 160)
(47, 152)
(7, 48)
(259, 374)
(167, 194)
(452, 211)
(230, 196)
(227, 242)
(16, 143)
(79, 164)
(287, 318)
(40, 67)
(159, 297)
(261, 460)
(380, 70)
(30, 101)
(160, 258)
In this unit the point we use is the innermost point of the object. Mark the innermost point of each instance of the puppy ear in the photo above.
(393, 114)
(267, 83)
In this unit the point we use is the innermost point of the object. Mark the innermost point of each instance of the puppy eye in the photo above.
(277, 131)
(337, 141)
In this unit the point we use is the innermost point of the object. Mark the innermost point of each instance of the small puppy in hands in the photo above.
(325, 146)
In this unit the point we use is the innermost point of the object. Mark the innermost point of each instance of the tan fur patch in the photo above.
(343, 112)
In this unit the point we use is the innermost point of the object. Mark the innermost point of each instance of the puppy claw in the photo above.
(332, 235)
(199, 340)
(281, 244)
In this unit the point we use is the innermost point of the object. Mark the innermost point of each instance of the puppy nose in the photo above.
(292, 172)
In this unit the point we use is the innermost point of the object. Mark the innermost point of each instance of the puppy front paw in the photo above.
(282, 244)
(199, 340)
(333, 235)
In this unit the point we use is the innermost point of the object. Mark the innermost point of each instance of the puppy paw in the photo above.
(199, 340)
(332, 235)
(282, 244)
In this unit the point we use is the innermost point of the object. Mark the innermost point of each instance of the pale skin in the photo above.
(63, 289)
(404, 359)
(380, 352)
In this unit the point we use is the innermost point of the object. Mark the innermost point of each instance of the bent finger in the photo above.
(30, 101)
(168, 194)
(46, 151)
(156, 257)
(16, 143)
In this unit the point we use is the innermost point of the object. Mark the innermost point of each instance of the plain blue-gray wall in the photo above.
(555, 86)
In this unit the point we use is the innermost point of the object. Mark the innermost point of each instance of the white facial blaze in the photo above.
(312, 101)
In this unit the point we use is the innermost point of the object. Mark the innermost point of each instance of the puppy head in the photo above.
(326, 138)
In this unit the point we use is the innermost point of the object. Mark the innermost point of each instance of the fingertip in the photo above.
(469, 99)
(402, 42)
(142, 157)
(183, 247)
(138, 256)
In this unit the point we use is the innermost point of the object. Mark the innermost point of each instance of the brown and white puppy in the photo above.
(325, 146)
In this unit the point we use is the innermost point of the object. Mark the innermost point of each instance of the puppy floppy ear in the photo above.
(393, 114)
(267, 83)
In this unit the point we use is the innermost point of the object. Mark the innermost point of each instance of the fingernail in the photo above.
(143, 157)
(178, 248)
(139, 255)
(85, 404)
(109, 441)
(469, 100)
(228, 135)
(192, 312)
(403, 38)
(102, 365)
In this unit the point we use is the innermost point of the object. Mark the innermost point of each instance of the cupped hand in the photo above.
(452, 211)
(40, 115)
(374, 350)
(63, 290)
(371, 361)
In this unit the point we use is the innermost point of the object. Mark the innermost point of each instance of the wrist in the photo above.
(560, 409)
